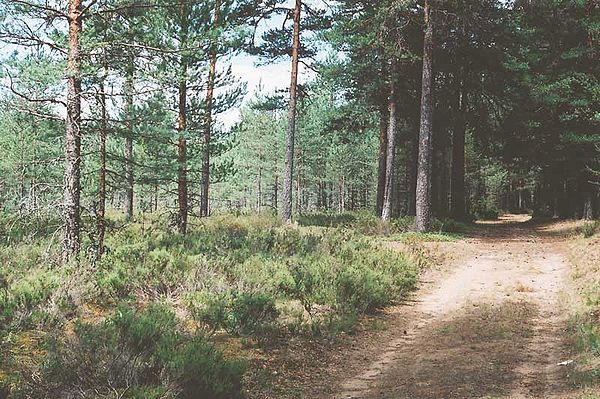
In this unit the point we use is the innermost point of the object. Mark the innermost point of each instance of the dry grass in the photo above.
(523, 288)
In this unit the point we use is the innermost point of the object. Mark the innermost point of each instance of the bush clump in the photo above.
(247, 276)
(239, 314)
(589, 229)
(136, 354)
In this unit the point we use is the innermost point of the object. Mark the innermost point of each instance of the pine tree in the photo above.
(423, 219)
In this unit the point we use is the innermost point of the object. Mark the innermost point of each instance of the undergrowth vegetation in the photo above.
(585, 257)
(140, 322)
(366, 223)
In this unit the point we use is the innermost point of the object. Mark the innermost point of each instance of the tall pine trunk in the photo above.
(212, 73)
(129, 89)
(275, 199)
(382, 157)
(291, 129)
(424, 169)
(72, 179)
(458, 156)
(386, 212)
(411, 171)
(258, 188)
(588, 207)
(101, 211)
(182, 189)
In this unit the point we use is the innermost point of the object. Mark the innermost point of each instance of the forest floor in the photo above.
(489, 321)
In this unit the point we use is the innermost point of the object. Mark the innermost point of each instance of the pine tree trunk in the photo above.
(275, 201)
(386, 212)
(423, 192)
(212, 73)
(182, 189)
(129, 88)
(291, 129)
(342, 199)
(588, 209)
(521, 200)
(458, 158)
(72, 180)
(101, 212)
(383, 145)
(411, 171)
(156, 198)
(258, 189)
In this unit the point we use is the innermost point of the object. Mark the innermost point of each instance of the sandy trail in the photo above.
(491, 326)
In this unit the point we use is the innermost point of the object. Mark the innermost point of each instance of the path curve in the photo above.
(491, 326)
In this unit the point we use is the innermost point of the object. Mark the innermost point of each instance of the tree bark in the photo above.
(411, 171)
(182, 189)
(423, 192)
(275, 201)
(291, 129)
(212, 73)
(101, 212)
(588, 207)
(342, 197)
(381, 173)
(458, 157)
(129, 88)
(258, 189)
(458, 169)
(72, 179)
(386, 212)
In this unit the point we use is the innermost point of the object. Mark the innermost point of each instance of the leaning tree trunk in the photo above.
(182, 189)
(72, 182)
(382, 157)
(129, 88)
(386, 212)
(212, 73)
(291, 129)
(423, 193)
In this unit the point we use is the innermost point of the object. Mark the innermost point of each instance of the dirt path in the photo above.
(488, 326)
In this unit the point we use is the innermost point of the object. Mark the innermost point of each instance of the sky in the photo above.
(271, 77)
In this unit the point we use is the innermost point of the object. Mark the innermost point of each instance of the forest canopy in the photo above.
(447, 109)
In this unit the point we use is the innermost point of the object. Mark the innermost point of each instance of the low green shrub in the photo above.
(247, 276)
(487, 214)
(359, 289)
(403, 224)
(252, 313)
(328, 219)
(589, 229)
(23, 295)
(589, 338)
(136, 354)
(28, 227)
(156, 271)
(239, 313)
(368, 224)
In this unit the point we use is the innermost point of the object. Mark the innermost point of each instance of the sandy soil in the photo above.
(487, 325)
